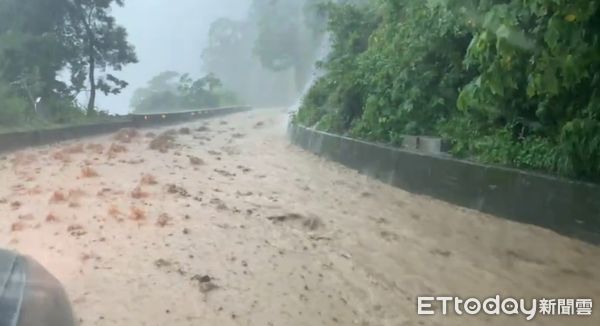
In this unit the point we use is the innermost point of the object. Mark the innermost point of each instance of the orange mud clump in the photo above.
(137, 214)
(114, 212)
(137, 193)
(88, 172)
(50, 218)
(17, 226)
(163, 220)
(96, 148)
(164, 141)
(58, 197)
(115, 149)
(149, 180)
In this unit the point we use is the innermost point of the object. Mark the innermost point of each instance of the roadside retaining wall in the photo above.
(567, 207)
(18, 140)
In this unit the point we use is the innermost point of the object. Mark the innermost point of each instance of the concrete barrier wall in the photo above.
(567, 207)
(18, 140)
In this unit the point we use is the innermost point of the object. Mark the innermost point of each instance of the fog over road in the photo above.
(224, 222)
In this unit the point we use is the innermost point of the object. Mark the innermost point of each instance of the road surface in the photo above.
(226, 223)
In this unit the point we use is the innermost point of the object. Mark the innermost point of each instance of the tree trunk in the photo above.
(92, 102)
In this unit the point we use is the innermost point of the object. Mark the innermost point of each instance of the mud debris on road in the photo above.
(245, 229)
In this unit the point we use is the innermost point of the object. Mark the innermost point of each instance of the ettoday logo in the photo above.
(507, 306)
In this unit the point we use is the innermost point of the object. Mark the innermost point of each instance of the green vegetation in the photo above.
(170, 91)
(509, 82)
(40, 41)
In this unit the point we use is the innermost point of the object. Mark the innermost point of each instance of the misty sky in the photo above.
(168, 35)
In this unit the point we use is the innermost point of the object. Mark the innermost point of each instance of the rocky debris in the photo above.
(259, 124)
(205, 283)
(58, 197)
(309, 223)
(219, 203)
(244, 194)
(214, 153)
(96, 148)
(89, 256)
(162, 263)
(194, 160)
(389, 236)
(76, 230)
(137, 214)
(134, 162)
(443, 253)
(51, 218)
(185, 131)
(238, 135)
(150, 135)
(175, 189)
(202, 279)
(520, 255)
(204, 138)
(61, 156)
(285, 217)
(225, 173)
(312, 223)
(148, 179)
(26, 217)
(88, 172)
(17, 226)
(138, 193)
(164, 141)
(114, 211)
(115, 149)
(103, 192)
(163, 220)
(244, 169)
(203, 129)
(125, 135)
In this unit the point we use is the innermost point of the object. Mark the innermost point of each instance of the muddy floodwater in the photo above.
(223, 222)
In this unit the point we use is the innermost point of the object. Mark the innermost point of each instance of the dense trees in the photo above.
(170, 91)
(99, 43)
(31, 54)
(507, 82)
(268, 57)
(40, 40)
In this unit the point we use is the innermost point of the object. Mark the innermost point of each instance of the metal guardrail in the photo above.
(23, 139)
(142, 119)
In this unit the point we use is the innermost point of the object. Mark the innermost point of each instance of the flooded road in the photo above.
(223, 222)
